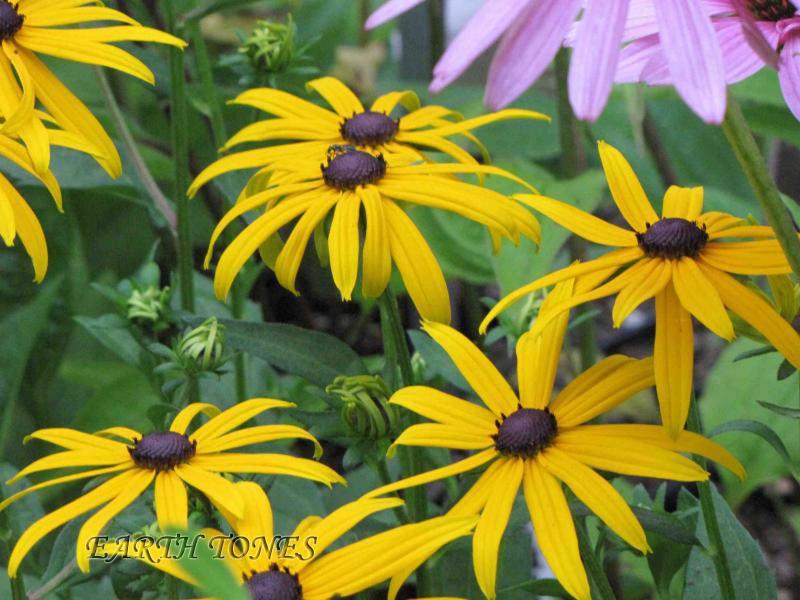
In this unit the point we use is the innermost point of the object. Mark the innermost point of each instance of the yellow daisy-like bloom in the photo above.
(348, 179)
(684, 259)
(533, 442)
(32, 27)
(308, 130)
(172, 458)
(17, 219)
(309, 573)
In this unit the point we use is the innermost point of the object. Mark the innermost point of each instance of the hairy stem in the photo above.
(754, 166)
(594, 567)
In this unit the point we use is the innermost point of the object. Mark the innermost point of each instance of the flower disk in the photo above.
(162, 450)
(672, 238)
(771, 10)
(369, 128)
(10, 20)
(526, 432)
(350, 168)
(274, 585)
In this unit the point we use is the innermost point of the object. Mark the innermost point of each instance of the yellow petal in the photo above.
(601, 389)
(171, 501)
(732, 229)
(581, 223)
(435, 435)
(446, 409)
(283, 104)
(269, 464)
(597, 494)
(493, 523)
(182, 420)
(218, 490)
(417, 264)
(699, 297)
(476, 497)
(683, 203)
(72, 458)
(72, 16)
(625, 188)
(478, 370)
(233, 417)
(136, 482)
(461, 466)
(343, 244)
(259, 435)
(554, 528)
(673, 356)
(755, 310)
(648, 277)
(377, 257)
(254, 526)
(385, 104)
(72, 439)
(338, 95)
(763, 257)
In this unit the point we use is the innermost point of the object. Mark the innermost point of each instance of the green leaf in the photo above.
(792, 413)
(214, 577)
(317, 357)
(731, 392)
(658, 522)
(764, 432)
(752, 577)
(112, 331)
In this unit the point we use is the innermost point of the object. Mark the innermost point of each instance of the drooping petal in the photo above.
(259, 435)
(389, 10)
(172, 501)
(254, 525)
(492, 525)
(789, 72)
(594, 59)
(528, 48)
(343, 244)
(218, 490)
(478, 370)
(233, 417)
(554, 528)
(761, 257)
(699, 297)
(597, 494)
(473, 501)
(652, 275)
(376, 256)
(692, 51)
(269, 464)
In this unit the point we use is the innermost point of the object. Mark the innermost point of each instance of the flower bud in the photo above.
(366, 411)
(201, 348)
(149, 306)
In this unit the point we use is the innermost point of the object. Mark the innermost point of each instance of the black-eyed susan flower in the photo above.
(685, 260)
(307, 130)
(307, 571)
(17, 219)
(344, 180)
(532, 441)
(29, 28)
(173, 459)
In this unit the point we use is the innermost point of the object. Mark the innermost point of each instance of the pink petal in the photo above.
(483, 29)
(694, 57)
(528, 49)
(594, 61)
(389, 11)
(741, 60)
(635, 57)
(789, 74)
(753, 35)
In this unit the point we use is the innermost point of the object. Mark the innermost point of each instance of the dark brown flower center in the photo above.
(369, 129)
(771, 10)
(526, 432)
(10, 20)
(673, 238)
(162, 450)
(274, 584)
(349, 168)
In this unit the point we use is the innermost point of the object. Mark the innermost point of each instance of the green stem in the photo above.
(180, 157)
(436, 20)
(383, 474)
(573, 162)
(399, 374)
(145, 177)
(205, 73)
(594, 568)
(716, 547)
(752, 161)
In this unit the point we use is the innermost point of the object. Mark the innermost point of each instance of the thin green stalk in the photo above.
(594, 568)
(716, 547)
(180, 158)
(383, 474)
(399, 374)
(205, 74)
(573, 162)
(436, 20)
(754, 166)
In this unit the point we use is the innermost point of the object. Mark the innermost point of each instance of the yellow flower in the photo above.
(17, 219)
(537, 443)
(307, 572)
(307, 130)
(348, 180)
(683, 259)
(172, 458)
(32, 27)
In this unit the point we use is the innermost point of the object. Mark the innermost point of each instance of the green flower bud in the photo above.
(271, 46)
(201, 348)
(149, 306)
(366, 411)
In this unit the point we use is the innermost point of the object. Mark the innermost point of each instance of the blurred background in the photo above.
(69, 356)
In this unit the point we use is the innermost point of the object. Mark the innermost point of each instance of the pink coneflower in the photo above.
(751, 34)
(532, 31)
